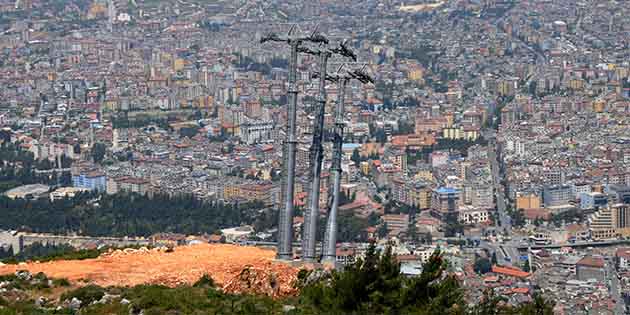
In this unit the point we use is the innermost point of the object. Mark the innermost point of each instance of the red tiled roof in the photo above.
(588, 261)
(490, 279)
(512, 272)
(518, 290)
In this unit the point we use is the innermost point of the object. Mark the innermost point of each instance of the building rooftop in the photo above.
(590, 261)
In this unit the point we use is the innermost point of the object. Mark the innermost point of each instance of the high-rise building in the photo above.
(556, 195)
(593, 200)
(445, 199)
(611, 222)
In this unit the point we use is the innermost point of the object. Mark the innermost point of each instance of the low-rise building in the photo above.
(27, 191)
(66, 192)
(591, 267)
(472, 215)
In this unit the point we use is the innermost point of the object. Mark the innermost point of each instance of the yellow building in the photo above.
(456, 133)
(420, 197)
(416, 74)
(471, 134)
(110, 105)
(178, 64)
(203, 102)
(424, 174)
(450, 119)
(505, 88)
(576, 84)
(527, 201)
(370, 148)
(96, 10)
(265, 174)
(231, 191)
(452, 133)
(365, 168)
(611, 222)
(599, 106)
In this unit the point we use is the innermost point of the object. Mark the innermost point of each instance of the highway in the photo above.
(576, 244)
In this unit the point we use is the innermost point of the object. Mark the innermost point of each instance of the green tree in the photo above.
(482, 265)
(539, 306)
(428, 238)
(351, 228)
(373, 218)
(382, 230)
(412, 232)
(188, 131)
(374, 285)
(98, 152)
(356, 157)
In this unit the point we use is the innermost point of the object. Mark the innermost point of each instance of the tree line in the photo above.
(47, 252)
(18, 167)
(375, 285)
(124, 214)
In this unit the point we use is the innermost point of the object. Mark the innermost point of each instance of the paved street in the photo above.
(499, 189)
(613, 283)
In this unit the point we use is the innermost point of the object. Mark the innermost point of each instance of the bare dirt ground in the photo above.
(236, 269)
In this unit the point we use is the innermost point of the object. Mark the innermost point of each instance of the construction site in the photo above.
(234, 269)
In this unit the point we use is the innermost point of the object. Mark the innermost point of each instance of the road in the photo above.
(541, 59)
(499, 190)
(507, 252)
(615, 293)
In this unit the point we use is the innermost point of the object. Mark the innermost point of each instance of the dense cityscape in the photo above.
(493, 132)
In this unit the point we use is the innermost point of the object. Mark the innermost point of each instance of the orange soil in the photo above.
(224, 263)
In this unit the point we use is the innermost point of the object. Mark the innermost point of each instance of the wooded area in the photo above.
(124, 214)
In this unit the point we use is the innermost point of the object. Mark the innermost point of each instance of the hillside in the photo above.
(228, 265)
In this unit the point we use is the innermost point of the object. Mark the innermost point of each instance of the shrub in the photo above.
(61, 282)
(86, 294)
(204, 282)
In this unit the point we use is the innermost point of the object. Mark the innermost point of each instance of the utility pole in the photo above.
(285, 224)
(309, 239)
(330, 236)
